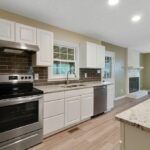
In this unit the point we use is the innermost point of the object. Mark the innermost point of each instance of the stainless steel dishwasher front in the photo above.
(100, 99)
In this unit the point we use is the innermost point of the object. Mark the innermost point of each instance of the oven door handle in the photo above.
(20, 100)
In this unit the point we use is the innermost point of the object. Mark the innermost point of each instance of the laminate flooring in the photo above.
(100, 133)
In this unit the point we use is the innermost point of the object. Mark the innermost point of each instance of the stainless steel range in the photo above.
(21, 111)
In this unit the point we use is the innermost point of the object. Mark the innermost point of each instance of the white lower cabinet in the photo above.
(64, 109)
(72, 110)
(86, 106)
(110, 96)
(53, 112)
(53, 124)
(53, 108)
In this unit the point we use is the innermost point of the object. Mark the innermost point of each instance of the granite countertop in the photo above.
(138, 116)
(63, 87)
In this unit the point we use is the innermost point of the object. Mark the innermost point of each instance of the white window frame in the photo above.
(51, 76)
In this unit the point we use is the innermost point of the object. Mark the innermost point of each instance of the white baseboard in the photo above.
(118, 98)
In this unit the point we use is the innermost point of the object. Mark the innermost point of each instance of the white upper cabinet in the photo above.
(92, 55)
(44, 57)
(7, 29)
(100, 56)
(25, 34)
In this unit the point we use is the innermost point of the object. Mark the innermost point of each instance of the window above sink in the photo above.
(65, 58)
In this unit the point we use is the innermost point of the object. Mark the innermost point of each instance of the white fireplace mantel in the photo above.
(133, 70)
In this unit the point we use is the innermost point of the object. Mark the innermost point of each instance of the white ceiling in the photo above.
(93, 18)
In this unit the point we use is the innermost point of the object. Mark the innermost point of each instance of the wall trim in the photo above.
(119, 98)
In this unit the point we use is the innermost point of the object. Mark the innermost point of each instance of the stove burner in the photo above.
(12, 86)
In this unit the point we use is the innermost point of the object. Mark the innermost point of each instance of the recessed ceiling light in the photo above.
(113, 2)
(136, 18)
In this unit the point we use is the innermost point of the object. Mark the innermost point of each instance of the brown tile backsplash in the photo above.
(43, 75)
(20, 63)
(92, 75)
(14, 63)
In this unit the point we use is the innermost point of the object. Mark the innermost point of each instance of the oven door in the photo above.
(19, 116)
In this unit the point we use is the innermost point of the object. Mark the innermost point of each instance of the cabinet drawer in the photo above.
(53, 123)
(72, 93)
(88, 95)
(87, 91)
(53, 96)
(53, 108)
(78, 92)
(73, 98)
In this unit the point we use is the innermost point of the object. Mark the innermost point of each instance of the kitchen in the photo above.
(56, 85)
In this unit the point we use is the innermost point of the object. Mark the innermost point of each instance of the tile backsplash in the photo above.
(21, 63)
(91, 75)
(14, 63)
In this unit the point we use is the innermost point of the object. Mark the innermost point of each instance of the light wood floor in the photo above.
(101, 133)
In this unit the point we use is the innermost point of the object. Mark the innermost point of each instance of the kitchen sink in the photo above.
(74, 85)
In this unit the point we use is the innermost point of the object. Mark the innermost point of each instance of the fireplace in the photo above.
(133, 84)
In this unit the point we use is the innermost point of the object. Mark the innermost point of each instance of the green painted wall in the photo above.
(145, 73)
(120, 68)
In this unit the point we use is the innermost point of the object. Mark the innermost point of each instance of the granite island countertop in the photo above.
(138, 116)
(63, 87)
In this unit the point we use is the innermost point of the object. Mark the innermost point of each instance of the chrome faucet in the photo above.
(69, 72)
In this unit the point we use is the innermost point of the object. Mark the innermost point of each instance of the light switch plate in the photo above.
(85, 75)
(36, 76)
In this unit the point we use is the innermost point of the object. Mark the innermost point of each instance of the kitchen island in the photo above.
(135, 127)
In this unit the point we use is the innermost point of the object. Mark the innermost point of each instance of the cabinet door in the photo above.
(25, 34)
(100, 60)
(91, 55)
(110, 97)
(44, 57)
(86, 106)
(53, 124)
(53, 108)
(72, 111)
(7, 30)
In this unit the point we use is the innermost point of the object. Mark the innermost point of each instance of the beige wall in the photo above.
(59, 34)
(145, 73)
(120, 67)
(64, 35)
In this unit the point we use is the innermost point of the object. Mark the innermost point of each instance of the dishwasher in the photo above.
(100, 99)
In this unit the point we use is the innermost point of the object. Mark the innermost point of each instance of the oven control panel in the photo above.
(16, 78)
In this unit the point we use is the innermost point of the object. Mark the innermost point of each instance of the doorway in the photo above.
(109, 71)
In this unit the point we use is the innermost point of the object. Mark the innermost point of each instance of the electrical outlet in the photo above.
(36, 76)
(122, 91)
(85, 75)
(98, 71)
